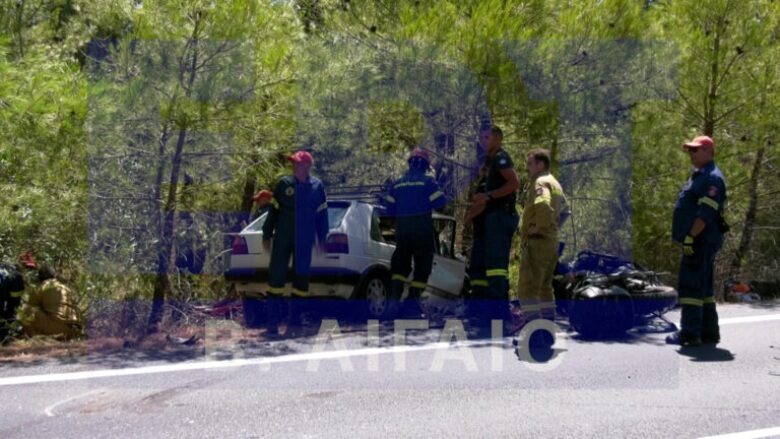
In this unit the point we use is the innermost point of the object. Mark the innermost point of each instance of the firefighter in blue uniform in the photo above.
(411, 200)
(298, 215)
(263, 201)
(476, 269)
(476, 217)
(699, 226)
(11, 292)
(500, 223)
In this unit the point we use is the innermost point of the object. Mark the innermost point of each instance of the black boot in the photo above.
(684, 339)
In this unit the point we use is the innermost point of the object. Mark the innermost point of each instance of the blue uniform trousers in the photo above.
(285, 246)
(500, 227)
(699, 316)
(413, 243)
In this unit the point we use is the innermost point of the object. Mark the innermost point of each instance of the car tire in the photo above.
(378, 298)
(254, 312)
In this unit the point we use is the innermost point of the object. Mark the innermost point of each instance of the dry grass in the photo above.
(39, 348)
(35, 349)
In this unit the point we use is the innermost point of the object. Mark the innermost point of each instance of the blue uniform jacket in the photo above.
(703, 196)
(414, 194)
(298, 211)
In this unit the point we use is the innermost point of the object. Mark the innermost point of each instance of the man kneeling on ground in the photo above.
(50, 310)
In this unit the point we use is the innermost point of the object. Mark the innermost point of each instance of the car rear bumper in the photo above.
(323, 282)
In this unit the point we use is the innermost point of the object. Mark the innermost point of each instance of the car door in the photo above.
(381, 243)
(448, 272)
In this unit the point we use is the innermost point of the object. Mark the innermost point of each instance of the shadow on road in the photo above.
(765, 304)
(247, 343)
(706, 354)
(645, 333)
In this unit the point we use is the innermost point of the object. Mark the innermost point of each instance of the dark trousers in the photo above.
(500, 227)
(477, 276)
(697, 298)
(412, 246)
(283, 248)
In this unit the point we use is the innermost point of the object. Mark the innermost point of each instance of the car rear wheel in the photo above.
(379, 301)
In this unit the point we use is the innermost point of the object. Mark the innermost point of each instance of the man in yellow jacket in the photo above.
(543, 212)
(50, 310)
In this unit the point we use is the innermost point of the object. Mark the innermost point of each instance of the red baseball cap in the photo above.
(27, 260)
(301, 157)
(265, 193)
(698, 142)
(420, 153)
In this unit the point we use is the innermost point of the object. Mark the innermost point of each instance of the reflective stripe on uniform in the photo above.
(479, 283)
(541, 306)
(299, 293)
(709, 300)
(497, 272)
(400, 277)
(436, 195)
(17, 294)
(390, 198)
(409, 183)
(691, 302)
(276, 291)
(274, 203)
(709, 202)
(322, 207)
(416, 284)
(542, 199)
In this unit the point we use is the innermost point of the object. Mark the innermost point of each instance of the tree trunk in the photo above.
(160, 281)
(750, 216)
(249, 192)
(162, 284)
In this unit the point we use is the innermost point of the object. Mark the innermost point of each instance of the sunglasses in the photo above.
(691, 150)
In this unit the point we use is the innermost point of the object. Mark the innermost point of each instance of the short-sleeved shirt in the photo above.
(703, 196)
(494, 180)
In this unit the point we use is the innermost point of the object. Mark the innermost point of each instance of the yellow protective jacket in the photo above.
(50, 310)
(544, 203)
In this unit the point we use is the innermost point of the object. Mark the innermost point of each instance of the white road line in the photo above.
(327, 355)
(749, 319)
(49, 411)
(752, 434)
(218, 364)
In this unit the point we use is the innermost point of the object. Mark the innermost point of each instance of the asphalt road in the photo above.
(633, 387)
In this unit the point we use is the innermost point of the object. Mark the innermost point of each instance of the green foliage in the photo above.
(349, 79)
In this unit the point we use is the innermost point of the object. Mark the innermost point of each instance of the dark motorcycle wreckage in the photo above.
(605, 296)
